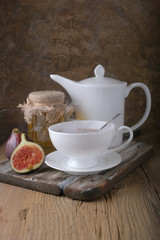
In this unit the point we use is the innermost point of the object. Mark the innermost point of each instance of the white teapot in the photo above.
(102, 98)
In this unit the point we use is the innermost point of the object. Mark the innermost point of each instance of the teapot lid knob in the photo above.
(99, 71)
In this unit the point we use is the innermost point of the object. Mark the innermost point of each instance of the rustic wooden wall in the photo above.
(70, 37)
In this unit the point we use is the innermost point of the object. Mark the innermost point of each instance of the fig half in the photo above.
(27, 156)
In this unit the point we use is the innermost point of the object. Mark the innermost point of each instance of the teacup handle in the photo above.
(123, 145)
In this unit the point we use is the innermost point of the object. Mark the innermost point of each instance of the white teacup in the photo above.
(82, 144)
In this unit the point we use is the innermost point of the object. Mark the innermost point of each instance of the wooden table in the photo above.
(131, 210)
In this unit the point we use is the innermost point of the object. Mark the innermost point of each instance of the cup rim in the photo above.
(111, 125)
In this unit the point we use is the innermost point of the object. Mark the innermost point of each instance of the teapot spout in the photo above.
(69, 85)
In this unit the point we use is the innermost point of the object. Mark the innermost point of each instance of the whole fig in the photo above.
(13, 141)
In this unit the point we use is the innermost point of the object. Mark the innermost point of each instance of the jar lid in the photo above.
(45, 97)
(49, 102)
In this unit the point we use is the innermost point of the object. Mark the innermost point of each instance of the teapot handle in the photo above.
(124, 144)
(148, 102)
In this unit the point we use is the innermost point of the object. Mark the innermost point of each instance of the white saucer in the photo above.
(60, 162)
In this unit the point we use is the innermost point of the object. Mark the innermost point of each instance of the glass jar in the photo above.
(43, 109)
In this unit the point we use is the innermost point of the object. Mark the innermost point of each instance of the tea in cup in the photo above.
(82, 143)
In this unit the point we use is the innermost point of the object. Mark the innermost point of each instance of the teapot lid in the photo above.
(99, 79)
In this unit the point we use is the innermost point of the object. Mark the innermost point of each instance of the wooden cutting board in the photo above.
(86, 188)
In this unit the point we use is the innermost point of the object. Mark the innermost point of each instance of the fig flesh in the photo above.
(27, 156)
(13, 141)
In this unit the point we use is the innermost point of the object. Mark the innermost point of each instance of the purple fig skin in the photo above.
(13, 141)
